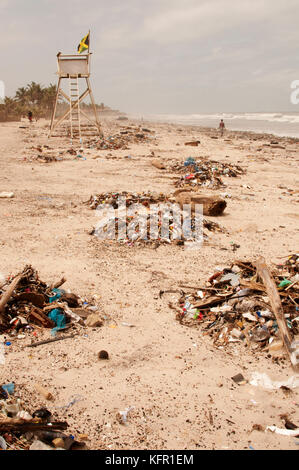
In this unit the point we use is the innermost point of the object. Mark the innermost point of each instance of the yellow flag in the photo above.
(84, 44)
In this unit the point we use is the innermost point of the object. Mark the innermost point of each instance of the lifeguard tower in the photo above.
(74, 68)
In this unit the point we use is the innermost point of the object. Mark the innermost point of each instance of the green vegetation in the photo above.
(33, 97)
(37, 99)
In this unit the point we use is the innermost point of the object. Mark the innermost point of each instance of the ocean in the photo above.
(280, 124)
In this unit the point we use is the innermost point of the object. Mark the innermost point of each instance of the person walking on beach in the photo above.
(221, 127)
(30, 116)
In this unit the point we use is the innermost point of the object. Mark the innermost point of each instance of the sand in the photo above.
(178, 383)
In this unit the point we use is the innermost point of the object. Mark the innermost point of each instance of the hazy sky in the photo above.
(161, 56)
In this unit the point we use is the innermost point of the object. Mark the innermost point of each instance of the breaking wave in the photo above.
(281, 124)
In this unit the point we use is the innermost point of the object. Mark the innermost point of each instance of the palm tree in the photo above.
(48, 98)
(21, 96)
(34, 93)
(8, 109)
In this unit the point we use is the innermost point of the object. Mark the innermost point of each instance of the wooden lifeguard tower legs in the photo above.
(73, 68)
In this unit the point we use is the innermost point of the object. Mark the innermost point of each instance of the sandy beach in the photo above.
(178, 383)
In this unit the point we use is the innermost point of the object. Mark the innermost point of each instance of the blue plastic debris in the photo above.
(9, 388)
(58, 318)
(58, 294)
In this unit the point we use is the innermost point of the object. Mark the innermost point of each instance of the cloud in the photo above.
(159, 55)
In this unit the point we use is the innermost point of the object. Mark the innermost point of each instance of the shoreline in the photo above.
(253, 133)
(192, 127)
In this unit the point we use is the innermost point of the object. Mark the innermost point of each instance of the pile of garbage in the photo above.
(25, 429)
(26, 302)
(234, 305)
(46, 154)
(135, 233)
(145, 198)
(121, 140)
(203, 172)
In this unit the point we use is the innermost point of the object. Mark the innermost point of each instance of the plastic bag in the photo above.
(263, 380)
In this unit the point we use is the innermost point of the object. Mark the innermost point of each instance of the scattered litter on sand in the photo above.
(203, 172)
(23, 427)
(121, 140)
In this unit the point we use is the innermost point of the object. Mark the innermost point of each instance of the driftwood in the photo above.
(212, 205)
(37, 316)
(193, 144)
(58, 283)
(46, 341)
(274, 298)
(209, 302)
(252, 285)
(22, 426)
(7, 295)
(52, 306)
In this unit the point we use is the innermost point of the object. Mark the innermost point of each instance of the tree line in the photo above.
(35, 98)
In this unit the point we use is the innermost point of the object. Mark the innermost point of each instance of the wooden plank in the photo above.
(55, 107)
(94, 107)
(38, 316)
(62, 118)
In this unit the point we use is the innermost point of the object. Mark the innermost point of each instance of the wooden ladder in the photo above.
(75, 123)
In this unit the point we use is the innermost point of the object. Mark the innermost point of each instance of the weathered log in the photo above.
(212, 205)
(21, 426)
(274, 298)
(193, 143)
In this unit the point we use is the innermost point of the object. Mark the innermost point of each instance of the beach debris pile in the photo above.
(136, 224)
(235, 306)
(144, 198)
(22, 428)
(122, 139)
(202, 172)
(27, 302)
(46, 154)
